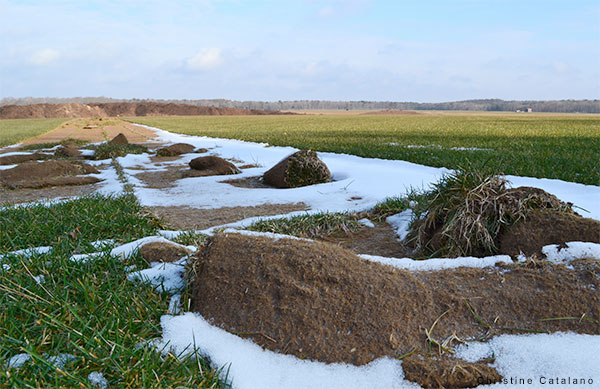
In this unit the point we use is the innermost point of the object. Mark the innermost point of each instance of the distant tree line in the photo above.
(567, 106)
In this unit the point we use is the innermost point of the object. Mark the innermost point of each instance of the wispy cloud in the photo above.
(44, 57)
(205, 59)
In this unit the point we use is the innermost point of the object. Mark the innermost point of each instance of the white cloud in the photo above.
(205, 59)
(44, 57)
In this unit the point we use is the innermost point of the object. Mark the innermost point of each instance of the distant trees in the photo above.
(582, 106)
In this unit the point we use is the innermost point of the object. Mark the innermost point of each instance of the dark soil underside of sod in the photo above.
(319, 301)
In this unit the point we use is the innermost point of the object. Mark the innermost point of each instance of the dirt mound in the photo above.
(48, 173)
(467, 212)
(210, 166)
(20, 158)
(175, 149)
(74, 110)
(448, 373)
(49, 111)
(163, 252)
(299, 169)
(543, 227)
(392, 112)
(120, 139)
(68, 150)
(321, 302)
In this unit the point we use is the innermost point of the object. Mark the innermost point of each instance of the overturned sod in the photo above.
(321, 302)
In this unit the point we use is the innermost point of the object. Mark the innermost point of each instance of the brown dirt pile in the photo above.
(68, 150)
(301, 168)
(48, 173)
(120, 139)
(210, 166)
(175, 149)
(75, 110)
(543, 227)
(321, 302)
(392, 112)
(49, 111)
(19, 158)
(163, 252)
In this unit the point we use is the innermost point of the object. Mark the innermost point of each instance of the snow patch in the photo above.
(17, 361)
(165, 277)
(539, 357)
(573, 251)
(250, 366)
(97, 379)
(367, 223)
(401, 222)
(438, 263)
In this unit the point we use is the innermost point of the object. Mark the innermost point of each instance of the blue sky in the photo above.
(426, 51)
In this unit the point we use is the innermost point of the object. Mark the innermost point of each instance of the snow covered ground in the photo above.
(358, 184)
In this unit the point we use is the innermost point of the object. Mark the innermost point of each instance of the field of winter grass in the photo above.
(15, 130)
(564, 147)
(67, 323)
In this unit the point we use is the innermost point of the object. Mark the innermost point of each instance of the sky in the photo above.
(396, 50)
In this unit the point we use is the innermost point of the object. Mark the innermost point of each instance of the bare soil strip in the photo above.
(94, 130)
(187, 218)
(20, 196)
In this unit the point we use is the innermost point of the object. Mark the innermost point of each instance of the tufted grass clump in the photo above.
(305, 168)
(110, 150)
(309, 225)
(465, 212)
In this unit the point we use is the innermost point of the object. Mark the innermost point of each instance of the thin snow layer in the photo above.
(401, 222)
(438, 263)
(358, 183)
(18, 360)
(6, 167)
(97, 379)
(110, 183)
(574, 250)
(270, 235)
(28, 252)
(252, 367)
(128, 249)
(165, 277)
(539, 357)
(367, 223)
(59, 361)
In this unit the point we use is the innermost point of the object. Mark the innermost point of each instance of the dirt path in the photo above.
(95, 130)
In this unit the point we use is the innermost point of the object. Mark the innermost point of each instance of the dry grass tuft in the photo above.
(466, 211)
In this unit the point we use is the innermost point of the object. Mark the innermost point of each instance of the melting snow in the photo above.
(401, 222)
(574, 250)
(539, 357)
(438, 263)
(97, 379)
(166, 277)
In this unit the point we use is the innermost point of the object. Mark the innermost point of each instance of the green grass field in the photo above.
(54, 306)
(565, 147)
(15, 130)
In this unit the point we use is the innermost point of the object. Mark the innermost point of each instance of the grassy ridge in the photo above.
(552, 146)
(15, 130)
